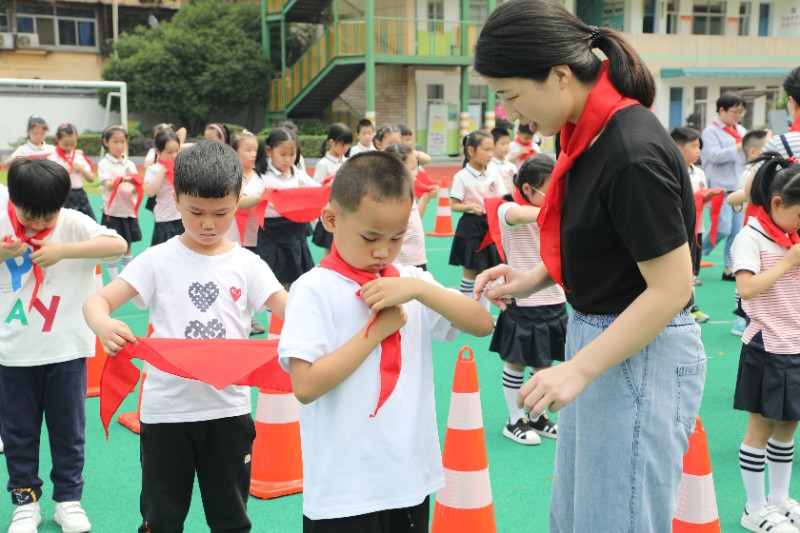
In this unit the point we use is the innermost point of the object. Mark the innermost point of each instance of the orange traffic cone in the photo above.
(465, 505)
(277, 459)
(131, 420)
(275, 327)
(94, 365)
(444, 219)
(697, 503)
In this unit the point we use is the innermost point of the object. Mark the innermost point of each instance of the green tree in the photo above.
(206, 60)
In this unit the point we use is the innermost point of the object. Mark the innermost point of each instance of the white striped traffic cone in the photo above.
(444, 218)
(697, 502)
(94, 365)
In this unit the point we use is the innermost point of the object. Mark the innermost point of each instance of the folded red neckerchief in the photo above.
(19, 233)
(773, 231)
(138, 181)
(716, 209)
(733, 131)
(604, 100)
(298, 204)
(391, 356)
(217, 362)
(423, 184)
(493, 234)
(70, 161)
(170, 175)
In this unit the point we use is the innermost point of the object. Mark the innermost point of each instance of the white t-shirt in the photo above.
(359, 148)
(516, 148)
(506, 169)
(412, 252)
(327, 167)
(111, 168)
(473, 187)
(195, 296)
(150, 158)
(166, 210)
(54, 330)
(253, 187)
(273, 179)
(354, 464)
(775, 313)
(28, 149)
(75, 176)
(699, 181)
(521, 245)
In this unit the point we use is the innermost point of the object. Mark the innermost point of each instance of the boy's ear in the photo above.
(328, 218)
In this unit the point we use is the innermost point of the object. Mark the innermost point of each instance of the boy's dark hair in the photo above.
(525, 128)
(729, 100)
(792, 85)
(504, 123)
(38, 186)
(338, 133)
(754, 139)
(534, 171)
(379, 175)
(776, 177)
(208, 169)
(683, 135)
(364, 123)
(527, 38)
(36, 120)
(405, 131)
(498, 133)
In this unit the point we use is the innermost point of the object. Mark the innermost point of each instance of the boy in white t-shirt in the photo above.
(371, 453)
(506, 169)
(46, 271)
(199, 285)
(365, 131)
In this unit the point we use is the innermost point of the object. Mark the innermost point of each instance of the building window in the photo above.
(763, 20)
(744, 18)
(700, 106)
(436, 92)
(59, 26)
(478, 10)
(673, 16)
(435, 9)
(477, 93)
(4, 16)
(649, 17)
(708, 17)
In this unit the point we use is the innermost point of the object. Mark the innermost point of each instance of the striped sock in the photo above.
(467, 288)
(512, 381)
(112, 270)
(125, 261)
(752, 461)
(779, 459)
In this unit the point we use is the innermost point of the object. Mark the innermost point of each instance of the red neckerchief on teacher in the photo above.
(733, 131)
(604, 100)
(19, 233)
(68, 160)
(391, 356)
(773, 231)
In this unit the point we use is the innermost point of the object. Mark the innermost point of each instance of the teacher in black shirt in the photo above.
(617, 229)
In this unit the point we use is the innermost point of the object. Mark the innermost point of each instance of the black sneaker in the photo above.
(255, 327)
(545, 427)
(521, 433)
(728, 277)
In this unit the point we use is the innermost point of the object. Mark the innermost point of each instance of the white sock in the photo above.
(512, 381)
(112, 270)
(485, 302)
(779, 459)
(467, 287)
(752, 462)
(125, 261)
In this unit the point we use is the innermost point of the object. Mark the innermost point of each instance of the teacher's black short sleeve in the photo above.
(628, 199)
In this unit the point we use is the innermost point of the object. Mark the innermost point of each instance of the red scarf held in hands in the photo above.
(138, 181)
(391, 356)
(716, 207)
(795, 125)
(216, 362)
(494, 234)
(423, 184)
(298, 204)
(773, 231)
(170, 175)
(19, 233)
(604, 100)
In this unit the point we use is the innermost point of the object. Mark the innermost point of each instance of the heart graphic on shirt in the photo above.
(210, 330)
(202, 296)
(235, 293)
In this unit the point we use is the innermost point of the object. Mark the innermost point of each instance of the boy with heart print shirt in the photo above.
(198, 285)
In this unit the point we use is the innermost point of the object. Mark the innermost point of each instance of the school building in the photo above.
(409, 61)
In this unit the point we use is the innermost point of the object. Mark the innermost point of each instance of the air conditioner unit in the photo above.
(6, 41)
(27, 41)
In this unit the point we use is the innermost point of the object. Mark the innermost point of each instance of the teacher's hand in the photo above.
(552, 388)
(499, 283)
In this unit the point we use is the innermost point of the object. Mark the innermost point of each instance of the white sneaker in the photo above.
(1, 446)
(768, 519)
(71, 517)
(522, 433)
(26, 518)
(790, 509)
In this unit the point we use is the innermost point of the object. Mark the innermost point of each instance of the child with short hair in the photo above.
(189, 427)
(471, 186)
(365, 131)
(158, 184)
(75, 162)
(506, 169)
(35, 146)
(766, 257)
(523, 147)
(530, 332)
(47, 266)
(119, 207)
(371, 453)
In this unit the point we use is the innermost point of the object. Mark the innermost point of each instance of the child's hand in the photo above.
(793, 255)
(433, 193)
(389, 321)
(475, 209)
(527, 149)
(383, 293)
(114, 335)
(49, 254)
(12, 249)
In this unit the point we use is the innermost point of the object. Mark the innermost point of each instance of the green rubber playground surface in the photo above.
(521, 477)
